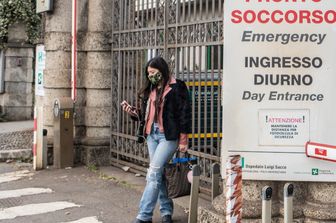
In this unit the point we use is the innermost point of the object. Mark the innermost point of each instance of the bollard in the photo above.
(215, 181)
(193, 205)
(38, 138)
(45, 149)
(266, 196)
(233, 189)
(288, 202)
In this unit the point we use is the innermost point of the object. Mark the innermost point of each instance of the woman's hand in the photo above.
(183, 142)
(128, 108)
(183, 148)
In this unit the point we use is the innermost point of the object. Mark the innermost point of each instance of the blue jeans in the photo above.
(160, 152)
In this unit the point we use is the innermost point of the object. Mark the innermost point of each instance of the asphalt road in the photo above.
(103, 198)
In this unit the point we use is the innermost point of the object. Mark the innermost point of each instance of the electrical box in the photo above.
(44, 5)
(63, 132)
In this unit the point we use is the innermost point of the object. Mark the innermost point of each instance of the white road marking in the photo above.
(33, 209)
(11, 176)
(86, 220)
(23, 192)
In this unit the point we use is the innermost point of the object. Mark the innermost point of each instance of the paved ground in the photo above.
(16, 126)
(76, 195)
(16, 140)
(106, 195)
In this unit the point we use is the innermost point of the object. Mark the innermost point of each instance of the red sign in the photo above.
(321, 151)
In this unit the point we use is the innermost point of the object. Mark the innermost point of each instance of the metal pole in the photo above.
(266, 196)
(74, 51)
(2, 71)
(215, 180)
(39, 138)
(35, 139)
(193, 205)
(233, 187)
(288, 202)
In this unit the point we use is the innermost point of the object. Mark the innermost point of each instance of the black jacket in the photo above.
(176, 112)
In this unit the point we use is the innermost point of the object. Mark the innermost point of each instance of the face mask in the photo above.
(156, 78)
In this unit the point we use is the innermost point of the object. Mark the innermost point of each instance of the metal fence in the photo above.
(189, 35)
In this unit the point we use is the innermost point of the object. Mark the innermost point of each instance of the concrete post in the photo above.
(251, 195)
(97, 80)
(266, 197)
(57, 72)
(57, 76)
(215, 180)
(298, 200)
(288, 202)
(194, 194)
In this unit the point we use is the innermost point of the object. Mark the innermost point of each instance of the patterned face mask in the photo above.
(155, 78)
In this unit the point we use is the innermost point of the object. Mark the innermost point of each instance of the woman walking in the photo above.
(165, 115)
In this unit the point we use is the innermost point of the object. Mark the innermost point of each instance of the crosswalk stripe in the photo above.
(86, 220)
(33, 209)
(11, 176)
(23, 192)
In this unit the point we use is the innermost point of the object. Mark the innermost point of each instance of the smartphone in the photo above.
(123, 103)
(133, 109)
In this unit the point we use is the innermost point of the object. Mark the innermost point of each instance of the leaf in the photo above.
(19, 11)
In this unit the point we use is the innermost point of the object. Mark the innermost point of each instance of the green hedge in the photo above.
(12, 11)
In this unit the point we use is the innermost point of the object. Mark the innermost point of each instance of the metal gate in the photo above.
(189, 35)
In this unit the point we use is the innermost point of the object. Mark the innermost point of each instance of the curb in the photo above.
(15, 154)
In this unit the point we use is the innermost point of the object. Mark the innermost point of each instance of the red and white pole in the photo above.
(233, 187)
(35, 139)
(74, 51)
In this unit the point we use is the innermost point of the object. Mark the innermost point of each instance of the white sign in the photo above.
(39, 70)
(279, 86)
(283, 127)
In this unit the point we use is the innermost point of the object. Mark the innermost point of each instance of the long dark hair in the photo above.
(157, 63)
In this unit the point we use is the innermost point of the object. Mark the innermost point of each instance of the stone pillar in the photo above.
(57, 76)
(321, 202)
(97, 81)
(58, 60)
